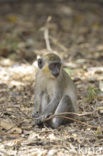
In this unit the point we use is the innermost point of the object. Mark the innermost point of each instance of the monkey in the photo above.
(54, 91)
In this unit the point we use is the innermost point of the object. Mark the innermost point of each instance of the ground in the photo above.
(76, 34)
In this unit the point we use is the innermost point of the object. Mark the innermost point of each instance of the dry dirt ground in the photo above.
(76, 33)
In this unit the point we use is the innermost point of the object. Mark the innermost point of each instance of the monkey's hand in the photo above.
(42, 118)
(35, 114)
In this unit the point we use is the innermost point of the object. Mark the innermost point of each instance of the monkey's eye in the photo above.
(40, 63)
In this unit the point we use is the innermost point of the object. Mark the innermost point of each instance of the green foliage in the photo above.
(92, 93)
(10, 43)
(68, 71)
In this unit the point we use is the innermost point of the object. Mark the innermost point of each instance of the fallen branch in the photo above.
(73, 113)
(46, 37)
(46, 34)
(62, 115)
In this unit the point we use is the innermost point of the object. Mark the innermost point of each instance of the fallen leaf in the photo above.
(6, 123)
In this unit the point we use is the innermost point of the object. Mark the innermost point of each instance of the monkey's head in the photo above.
(50, 64)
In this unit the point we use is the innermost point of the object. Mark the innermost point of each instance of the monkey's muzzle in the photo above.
(56, 74)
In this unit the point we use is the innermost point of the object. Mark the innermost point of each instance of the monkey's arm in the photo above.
(52, 105)
(37, 102)
(50, 109)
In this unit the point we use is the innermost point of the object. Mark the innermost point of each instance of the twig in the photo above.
(46, 37)
(72, 113)
(46, 34)
(62, 115)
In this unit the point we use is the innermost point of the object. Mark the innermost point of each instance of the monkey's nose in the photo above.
(56, 74)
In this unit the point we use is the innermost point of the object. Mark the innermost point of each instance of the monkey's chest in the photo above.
(51, 90)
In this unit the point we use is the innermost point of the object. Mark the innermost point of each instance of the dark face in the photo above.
(55, 68)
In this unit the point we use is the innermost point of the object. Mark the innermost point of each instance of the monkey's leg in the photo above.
(65, 105)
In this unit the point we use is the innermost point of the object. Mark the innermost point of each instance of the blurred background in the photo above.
(75, 28)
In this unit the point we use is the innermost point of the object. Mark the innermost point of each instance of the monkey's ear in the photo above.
(40, 63)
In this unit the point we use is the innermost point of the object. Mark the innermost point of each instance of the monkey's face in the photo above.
(50, 65)
(55, 68)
